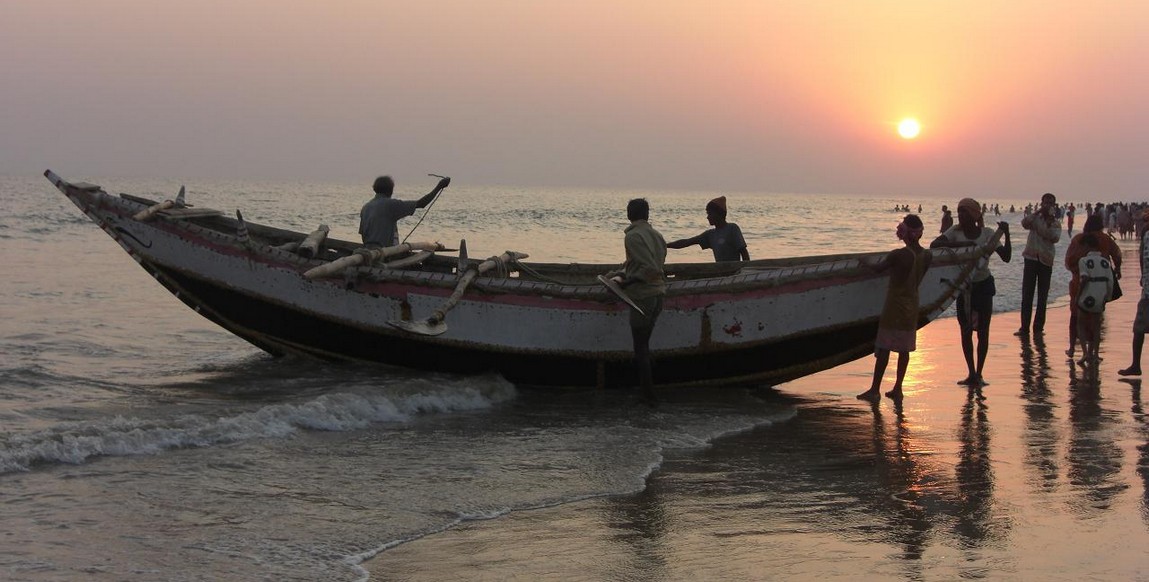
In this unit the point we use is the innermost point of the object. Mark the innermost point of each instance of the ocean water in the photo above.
(140, 442)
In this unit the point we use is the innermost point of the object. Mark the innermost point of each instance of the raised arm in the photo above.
(1005, 251)
(425, 200)
(1049, 230)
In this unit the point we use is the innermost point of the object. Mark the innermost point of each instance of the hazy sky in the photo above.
(1015, 97)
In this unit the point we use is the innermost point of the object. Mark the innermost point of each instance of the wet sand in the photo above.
(1041, 475)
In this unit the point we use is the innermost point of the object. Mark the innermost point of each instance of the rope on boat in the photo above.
(523, 267)
(241, 231)
(501, 264)
(369, 255)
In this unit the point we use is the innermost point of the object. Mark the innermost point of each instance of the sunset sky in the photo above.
(1014, 97)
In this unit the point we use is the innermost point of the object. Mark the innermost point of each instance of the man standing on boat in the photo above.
(725, 239)
(378, 219)
(644, 280)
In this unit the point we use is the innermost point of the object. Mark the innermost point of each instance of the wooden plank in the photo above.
(179, 213)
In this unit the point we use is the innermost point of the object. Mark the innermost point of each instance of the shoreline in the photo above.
(1034, 475)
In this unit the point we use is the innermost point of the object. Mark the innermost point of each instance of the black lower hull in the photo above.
(280, 329)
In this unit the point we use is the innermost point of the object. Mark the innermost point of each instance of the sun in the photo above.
(909, 128)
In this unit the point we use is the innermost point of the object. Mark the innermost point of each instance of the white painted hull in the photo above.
(765, 325)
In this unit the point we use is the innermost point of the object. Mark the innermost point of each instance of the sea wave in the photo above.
(78, 442)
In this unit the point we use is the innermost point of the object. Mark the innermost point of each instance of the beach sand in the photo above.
(1043, 475)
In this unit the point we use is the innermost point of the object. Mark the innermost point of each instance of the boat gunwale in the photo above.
(749, 276)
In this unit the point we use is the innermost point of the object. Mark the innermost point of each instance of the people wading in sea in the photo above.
(898, 324)
(947, 219)
(1108, 248)
(644, 280)
(975, 304)
(1044, 232)
(379, 217)
(725, 239)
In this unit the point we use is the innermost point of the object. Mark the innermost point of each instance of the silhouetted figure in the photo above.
(725, 239)
(898, 324)
(1073, 253)
(1044, 232)
(975, 304)
(947, 219)
(379, 217)
(644, 280)
(1096, 274)
(1141, 321)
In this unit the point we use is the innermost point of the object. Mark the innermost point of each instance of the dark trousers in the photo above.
(1035, 275)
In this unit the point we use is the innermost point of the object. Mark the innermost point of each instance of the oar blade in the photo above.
(420, 327)
(618, 292)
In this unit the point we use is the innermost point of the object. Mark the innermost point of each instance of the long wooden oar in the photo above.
(618, 292)
(435, 325)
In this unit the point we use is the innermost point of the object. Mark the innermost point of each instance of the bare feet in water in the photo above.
(894, 394)
(871, 394)
(1130, 371)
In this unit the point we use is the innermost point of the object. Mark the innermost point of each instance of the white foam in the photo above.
(74, 443)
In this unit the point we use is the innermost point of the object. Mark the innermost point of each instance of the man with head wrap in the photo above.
(975, 304)
(725, 239)
(898, 324)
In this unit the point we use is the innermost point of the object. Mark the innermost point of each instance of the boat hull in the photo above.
(764, 325)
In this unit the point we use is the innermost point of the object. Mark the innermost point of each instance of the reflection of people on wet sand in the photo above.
(975, 306)
(1143, 449)
(1094, 459)
(974, 472)
(896, 466)
(1041, 434)
(898, 324)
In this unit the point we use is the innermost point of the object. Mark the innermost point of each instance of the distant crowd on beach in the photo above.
(1121, 219)
(1092, 257)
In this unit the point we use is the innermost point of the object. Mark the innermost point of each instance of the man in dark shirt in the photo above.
(725, 239)
(378, 218)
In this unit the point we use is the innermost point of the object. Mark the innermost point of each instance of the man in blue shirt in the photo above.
(378, 218)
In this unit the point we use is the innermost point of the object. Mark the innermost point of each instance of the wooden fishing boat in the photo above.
(763, 321)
